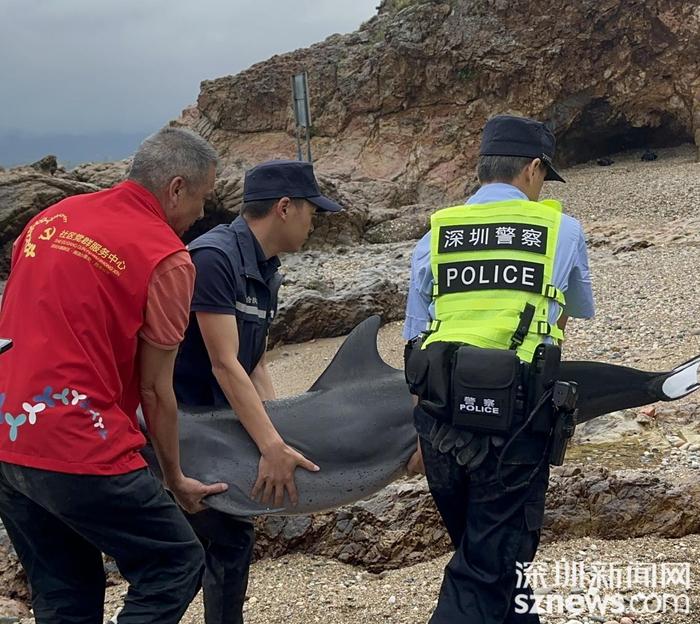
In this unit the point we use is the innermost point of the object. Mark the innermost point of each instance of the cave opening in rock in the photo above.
(602, 131)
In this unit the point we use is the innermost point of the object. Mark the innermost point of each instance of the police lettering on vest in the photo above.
(490, 261)
(490, 274)
(471, 404)
(482, 236)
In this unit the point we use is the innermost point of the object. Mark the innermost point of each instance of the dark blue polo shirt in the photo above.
(233, 277)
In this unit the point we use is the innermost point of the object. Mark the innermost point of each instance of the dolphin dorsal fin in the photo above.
(357, 358)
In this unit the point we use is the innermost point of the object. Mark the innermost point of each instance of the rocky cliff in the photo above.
(397, 110)
(398, 106)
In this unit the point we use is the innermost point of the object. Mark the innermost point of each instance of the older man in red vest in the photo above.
(96, 304)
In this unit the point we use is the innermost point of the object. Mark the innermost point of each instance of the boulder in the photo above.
(339, 228)
(103, 175)
(13, 580)
(327, 294)
(23, 194)
(621, 504)
(410, 222)
(228, 188)
(12, 610)
(397, 527)
(47, 165)
(400, 526)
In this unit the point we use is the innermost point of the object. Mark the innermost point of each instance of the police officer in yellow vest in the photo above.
(495, 280)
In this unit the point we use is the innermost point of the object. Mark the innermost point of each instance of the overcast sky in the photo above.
(94, 66)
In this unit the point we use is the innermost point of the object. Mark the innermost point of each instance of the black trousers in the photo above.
(59, 525)
(228, 549)
(493, 531)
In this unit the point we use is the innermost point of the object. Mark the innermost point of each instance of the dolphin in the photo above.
(356, 424)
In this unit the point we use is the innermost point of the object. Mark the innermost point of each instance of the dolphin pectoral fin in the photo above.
(357, 358)
(236, 502)
(680, 382)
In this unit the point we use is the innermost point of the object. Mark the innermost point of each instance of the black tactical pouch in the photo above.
(428, 375)
(544, 371)
(485, 386)
(415, 366)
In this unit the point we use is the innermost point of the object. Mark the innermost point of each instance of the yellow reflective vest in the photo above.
(492, 268)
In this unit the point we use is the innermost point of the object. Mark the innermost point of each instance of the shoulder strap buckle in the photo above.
(523, 326)
(550, 291)
(544, 328)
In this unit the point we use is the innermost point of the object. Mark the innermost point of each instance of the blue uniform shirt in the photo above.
(235, 278)
(571, 272)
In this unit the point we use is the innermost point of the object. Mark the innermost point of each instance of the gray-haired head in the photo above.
(169, 153)
(500, 168)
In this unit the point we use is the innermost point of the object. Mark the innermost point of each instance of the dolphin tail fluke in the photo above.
(680, 382)
(356, 359)
(606, 388)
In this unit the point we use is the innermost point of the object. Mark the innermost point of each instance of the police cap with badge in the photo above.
(286, 178)
(506, 135)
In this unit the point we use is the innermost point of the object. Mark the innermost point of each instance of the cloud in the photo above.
(81, 66)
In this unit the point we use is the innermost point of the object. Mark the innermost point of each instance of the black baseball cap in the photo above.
(285, 178)
(507, 135)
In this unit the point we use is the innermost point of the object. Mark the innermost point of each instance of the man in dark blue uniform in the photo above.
(222, 359)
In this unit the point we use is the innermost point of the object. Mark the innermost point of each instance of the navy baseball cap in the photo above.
(285, 178)
(507, 135)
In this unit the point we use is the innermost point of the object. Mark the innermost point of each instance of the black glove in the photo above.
(473, 454)
(445, 438)
(469, 450)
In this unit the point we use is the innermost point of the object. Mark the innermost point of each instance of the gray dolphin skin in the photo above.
(356, 423)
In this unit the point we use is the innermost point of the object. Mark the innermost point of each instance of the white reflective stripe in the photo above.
(249, 309)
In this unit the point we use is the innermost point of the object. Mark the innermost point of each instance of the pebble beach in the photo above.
(643, 224)
(644, 246)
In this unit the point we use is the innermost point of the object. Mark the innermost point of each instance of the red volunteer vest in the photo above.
(73, 305)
